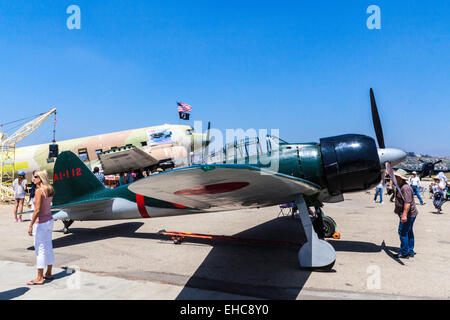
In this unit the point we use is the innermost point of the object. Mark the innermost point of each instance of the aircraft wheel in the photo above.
(177, 240)
(329, 227)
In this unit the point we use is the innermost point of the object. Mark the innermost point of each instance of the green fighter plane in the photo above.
(308, 174)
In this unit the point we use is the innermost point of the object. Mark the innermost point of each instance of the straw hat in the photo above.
(402, 174)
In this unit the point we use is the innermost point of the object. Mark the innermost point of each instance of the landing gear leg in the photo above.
(319, 226)
(67, 224)
(315, 254)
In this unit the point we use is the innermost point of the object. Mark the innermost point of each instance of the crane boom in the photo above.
(7, 153)
(26, 129)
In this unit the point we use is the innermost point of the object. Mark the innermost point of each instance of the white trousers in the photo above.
(43, 244)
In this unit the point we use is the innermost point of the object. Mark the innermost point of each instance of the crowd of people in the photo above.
(405, 205)
(438, 189)
(124, 177)
(131, 176)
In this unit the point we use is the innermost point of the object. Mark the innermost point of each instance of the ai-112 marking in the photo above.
(66, 175)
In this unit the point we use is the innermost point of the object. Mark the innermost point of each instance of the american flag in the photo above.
(183, 107)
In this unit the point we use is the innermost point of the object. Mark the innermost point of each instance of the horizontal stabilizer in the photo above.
(78, 205)
(85, 203)
(224, 187)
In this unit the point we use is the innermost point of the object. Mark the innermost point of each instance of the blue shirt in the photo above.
(100, 176)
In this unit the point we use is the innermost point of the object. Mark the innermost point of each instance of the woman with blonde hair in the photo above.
(41, 226)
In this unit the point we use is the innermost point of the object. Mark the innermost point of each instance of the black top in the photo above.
(32, 190)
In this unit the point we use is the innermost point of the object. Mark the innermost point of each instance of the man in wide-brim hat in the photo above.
(401, 174)
(405, 208)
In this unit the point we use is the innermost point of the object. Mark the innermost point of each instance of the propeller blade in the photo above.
(376, 121)
(208, 138)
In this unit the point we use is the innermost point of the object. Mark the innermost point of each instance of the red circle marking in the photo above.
(212, 189)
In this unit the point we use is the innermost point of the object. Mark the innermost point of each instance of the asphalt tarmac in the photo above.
(132, 260)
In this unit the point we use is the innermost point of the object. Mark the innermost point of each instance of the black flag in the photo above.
(184, 115)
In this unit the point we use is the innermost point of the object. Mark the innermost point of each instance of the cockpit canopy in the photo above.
(244, 148)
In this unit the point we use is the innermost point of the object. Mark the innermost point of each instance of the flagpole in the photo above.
(179, 118)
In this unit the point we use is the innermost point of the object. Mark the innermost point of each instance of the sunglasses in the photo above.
(36, 177)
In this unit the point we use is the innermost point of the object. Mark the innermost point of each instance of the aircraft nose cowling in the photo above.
(351, 163)
(394, 156)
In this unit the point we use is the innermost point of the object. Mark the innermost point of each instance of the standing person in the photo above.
(444, 180)
(438, 193)
(122, 179)
(41, 226)
(415, 184)
(442, 177)
(405, 208)
(379, 191)
(20, 188)
(32, 191)
(100, 176)
(130, 177)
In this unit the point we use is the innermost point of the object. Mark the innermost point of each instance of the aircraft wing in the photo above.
(223, 187)
(125, 159)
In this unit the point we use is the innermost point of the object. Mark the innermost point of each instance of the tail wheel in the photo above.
(329, 227)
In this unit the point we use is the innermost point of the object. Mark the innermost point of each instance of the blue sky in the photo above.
(304, 67)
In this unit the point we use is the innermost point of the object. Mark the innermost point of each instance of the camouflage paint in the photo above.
(35, 157)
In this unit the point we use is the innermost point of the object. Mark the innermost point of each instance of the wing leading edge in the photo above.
(223, 187)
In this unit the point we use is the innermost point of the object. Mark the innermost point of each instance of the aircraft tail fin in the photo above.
(72, 179)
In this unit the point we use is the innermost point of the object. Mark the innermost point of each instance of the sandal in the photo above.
(32, 283)
(48, 278)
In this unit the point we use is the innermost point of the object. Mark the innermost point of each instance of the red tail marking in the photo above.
(141, 206)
